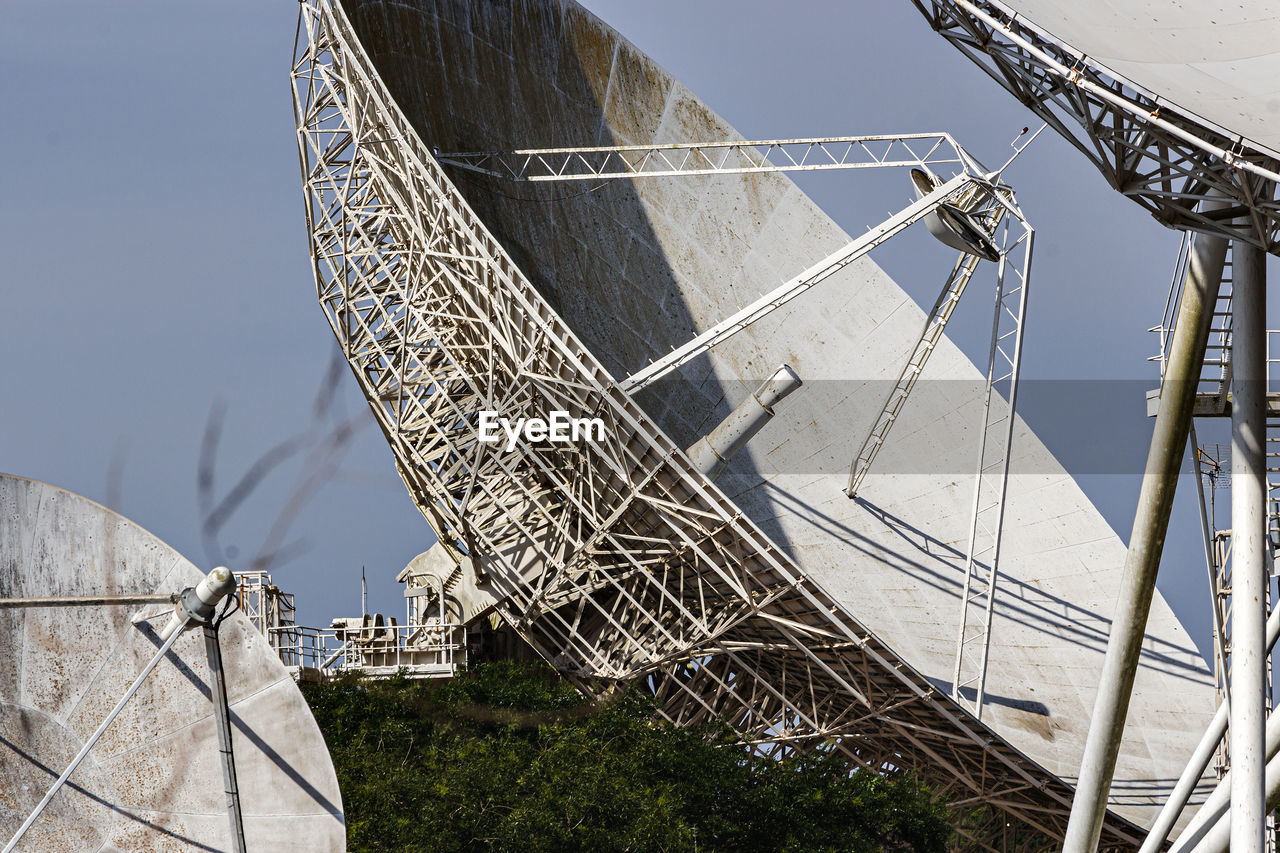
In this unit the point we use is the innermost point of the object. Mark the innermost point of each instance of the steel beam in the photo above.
(88, 600)
(1249, 536)
(1146, 542)
(729, 157)
(784, 293)
(1199, 762)
(1211, 820)
(226, 754)
(1216, 839)
(934, 325)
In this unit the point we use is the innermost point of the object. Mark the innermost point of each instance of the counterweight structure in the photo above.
(618, 560)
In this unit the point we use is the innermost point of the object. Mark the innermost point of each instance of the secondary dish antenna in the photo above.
(117, 722)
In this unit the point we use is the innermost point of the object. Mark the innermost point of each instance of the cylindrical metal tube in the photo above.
(1248, 548)
(1217, 800)
(198, 603)
(215, 586)
(711, 453)
(1217, 804)
(1146, 543)
(1217, 838)
(222, 717)
(86, 600)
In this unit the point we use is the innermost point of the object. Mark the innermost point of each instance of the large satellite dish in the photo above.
(154, 780)
(765, 597)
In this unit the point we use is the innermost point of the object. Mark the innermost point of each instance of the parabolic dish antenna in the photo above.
(154, 781)
(457, 279)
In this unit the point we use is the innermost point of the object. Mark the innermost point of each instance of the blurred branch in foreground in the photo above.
(318, 449)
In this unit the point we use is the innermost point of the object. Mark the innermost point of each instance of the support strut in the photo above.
(1146, 542)
(222, 714)
(194, 603)
(1248, 549)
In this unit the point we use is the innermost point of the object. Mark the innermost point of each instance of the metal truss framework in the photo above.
(973, 189)
(991, 482)
(930, 151)
(934, 326)
(1161, 156)
(617, 560)
(1211, 466)
(955, 188)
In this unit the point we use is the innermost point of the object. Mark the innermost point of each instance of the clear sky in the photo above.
(156, 270)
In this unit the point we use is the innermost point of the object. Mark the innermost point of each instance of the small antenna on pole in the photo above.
(1017, 149)
(364, 593)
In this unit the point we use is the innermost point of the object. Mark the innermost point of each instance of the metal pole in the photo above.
(88, 600)
(1195, 768)
(1217, 837)
(222, 714)
(1146, 542)
(1216, 805)
(91, 742)
(1248, 555)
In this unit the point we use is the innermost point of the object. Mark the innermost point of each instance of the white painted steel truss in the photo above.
(934, 326)
(995, 442)
(972, 188)
(616, 560)
(953, 189)
(930, 151)
(1161, 156)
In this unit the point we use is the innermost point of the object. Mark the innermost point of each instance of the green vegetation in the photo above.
(509, 758)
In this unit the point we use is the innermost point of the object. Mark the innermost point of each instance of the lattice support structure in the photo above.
(934, 326)
(615, 559)
(1162, 157)
(982, 561)
(930, 151)
(972, 188)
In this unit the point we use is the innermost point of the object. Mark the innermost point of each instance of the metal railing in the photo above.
(421, 651)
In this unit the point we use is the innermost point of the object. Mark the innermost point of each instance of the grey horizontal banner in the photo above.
(1085, 427)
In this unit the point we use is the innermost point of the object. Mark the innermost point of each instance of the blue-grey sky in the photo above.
(155, 262)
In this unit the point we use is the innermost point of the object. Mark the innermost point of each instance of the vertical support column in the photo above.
(991, 482)
(1146, 542)
(1248, 554)
(222, 717)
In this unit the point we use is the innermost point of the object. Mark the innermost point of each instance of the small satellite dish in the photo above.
(154, 781)
(951, 225)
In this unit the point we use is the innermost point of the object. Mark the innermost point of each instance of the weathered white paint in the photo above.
(153, 782)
